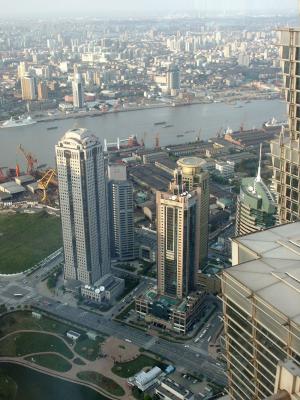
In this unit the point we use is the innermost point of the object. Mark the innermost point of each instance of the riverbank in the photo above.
(93, 114)
(210, 118)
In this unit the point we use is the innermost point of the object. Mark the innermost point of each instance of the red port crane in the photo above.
(31, 160)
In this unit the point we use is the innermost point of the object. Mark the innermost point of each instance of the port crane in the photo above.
(45, 181)
(3, 176)
(31, 160)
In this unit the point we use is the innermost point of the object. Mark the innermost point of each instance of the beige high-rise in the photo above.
(261, 307)
(286, 149)
(182, 228)
(28, 87)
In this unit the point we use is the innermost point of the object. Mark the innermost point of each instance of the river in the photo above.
(209, 118)
(34, 385)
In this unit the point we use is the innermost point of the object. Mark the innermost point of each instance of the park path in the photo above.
(102, 366)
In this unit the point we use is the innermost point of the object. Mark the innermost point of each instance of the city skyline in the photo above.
(136, 8)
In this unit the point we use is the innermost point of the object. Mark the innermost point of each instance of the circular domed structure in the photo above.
(191, 165)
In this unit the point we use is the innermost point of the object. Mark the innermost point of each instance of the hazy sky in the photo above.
(137, 7)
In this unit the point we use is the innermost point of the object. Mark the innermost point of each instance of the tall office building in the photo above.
(83, 204)
(261, 306)
(256, 209)
(121, 209)
(78, 93)
(42, 90)
(22, 69)
(286, 149)
(173, 78)
(182, 228)
(28, 86)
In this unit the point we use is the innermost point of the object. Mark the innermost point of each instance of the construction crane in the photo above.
(44, 183)
(3, 176)
(31, 160)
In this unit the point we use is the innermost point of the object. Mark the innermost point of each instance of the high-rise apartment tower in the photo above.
(78, 93)
(121, 209)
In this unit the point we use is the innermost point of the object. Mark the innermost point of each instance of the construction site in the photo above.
(36, 183)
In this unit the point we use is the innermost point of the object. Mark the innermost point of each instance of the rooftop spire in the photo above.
(258, 177)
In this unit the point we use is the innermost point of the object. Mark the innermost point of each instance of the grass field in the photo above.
(102, 381)
(51, 361)
(22, 320)
(25, 239)
(21, 344)
(130, 368)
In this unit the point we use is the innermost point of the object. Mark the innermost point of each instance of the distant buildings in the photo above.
(83, 204)
(182, 228)
(285, 149)
(28, 86)
(121, 209)
(261, 299)
(173, 79)
(78, 93)
(42, 90)
(256, 208)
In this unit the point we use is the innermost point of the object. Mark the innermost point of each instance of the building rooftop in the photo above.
(191, 161)
(274, 272)
(78, 138)
(257, 195)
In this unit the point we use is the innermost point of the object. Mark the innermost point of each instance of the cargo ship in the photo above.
(273, 123)
(14, 123)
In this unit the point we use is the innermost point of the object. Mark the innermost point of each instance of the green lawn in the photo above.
(51, 361)
(102, 381)
(22, 320)
(21, 344)
(25, 239)
(130, 368)
(87, 348)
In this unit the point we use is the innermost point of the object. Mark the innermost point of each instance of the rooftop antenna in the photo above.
(258, 177)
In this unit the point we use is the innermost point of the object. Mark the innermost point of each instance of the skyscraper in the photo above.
(255, 206)
(173, 78)
(286, 149)
(83, 204)
(77, 89)
(261, 306)
(121, 213)
(28, 86)
(42, 90)
(182, 228)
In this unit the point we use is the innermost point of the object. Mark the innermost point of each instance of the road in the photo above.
(191, 358)
(188, 359)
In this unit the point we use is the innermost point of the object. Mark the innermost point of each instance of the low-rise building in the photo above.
(107, 289)
(171, 390)
(144, 380)
(167, 313)
(12, 188)
(73, 335)
(146, 244)
(226, 169)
